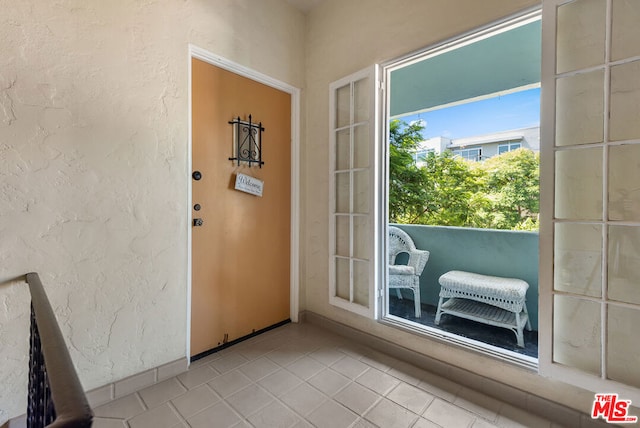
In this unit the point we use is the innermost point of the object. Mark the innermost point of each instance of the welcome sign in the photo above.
(248, 184)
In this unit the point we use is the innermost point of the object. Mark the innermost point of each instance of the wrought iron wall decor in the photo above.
(247, 142)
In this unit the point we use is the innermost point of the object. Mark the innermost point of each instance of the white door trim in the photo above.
(226, 64)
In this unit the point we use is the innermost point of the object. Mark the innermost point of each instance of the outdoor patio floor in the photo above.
(497, 336)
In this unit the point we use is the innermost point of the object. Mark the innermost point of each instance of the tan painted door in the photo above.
(240, 265)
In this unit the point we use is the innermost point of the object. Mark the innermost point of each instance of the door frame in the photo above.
(226, 64)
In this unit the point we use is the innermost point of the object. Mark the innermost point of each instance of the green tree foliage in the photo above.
(513, 185)
(407, 189)
(452, 188)
(500, 193)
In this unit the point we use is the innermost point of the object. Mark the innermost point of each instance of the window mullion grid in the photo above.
(352, 190)
(605, 255)
(351, 260)
(605, 194)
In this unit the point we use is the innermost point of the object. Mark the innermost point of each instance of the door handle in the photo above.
(198, 222)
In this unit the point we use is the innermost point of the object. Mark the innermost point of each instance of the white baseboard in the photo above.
(136, 382)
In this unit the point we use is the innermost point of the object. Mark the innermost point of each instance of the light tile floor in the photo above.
(300, 375)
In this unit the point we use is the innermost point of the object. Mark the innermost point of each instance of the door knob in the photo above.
(197, 222)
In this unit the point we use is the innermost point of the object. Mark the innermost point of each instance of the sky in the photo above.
(512, 111)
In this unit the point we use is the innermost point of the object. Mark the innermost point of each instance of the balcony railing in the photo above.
(56, 398)
(503, 253)
(506, 253)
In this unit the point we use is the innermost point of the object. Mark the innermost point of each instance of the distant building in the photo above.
(481, 147)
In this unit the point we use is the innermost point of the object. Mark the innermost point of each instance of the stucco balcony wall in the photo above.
(505, 253)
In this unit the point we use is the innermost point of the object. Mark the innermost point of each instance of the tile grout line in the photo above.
(274, 399)
(176, 412)
(220, 399)
(402, 373)
(329, 397)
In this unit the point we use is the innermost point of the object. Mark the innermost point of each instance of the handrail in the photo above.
(70, 406)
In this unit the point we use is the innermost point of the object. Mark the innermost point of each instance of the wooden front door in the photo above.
(241, 252)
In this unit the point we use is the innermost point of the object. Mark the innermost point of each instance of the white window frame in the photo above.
(464, 153)
(421, 154)
(384, 317)
(547, 367)
(370, 311)
(509, 146)
(379, 177)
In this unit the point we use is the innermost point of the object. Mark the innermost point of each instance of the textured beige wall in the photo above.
(344, 37)
(94, 168)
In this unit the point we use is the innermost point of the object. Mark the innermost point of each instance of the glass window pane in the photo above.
(579, 184)
(581, 34)
(361, 192)
(625, 31)
(343, 106)
(576, 333)
(578, 259)
(350, 197)
(343, 149)
(580, 109)
(361, 146)
(342, 236)
(343, 192)
(361, 100)
(361, 282)
(625, 101)
(361, 237)
(343, 278)
(623, 348)
(624, 264)
(624, 182)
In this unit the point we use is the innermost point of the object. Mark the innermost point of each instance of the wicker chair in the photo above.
(406, 276)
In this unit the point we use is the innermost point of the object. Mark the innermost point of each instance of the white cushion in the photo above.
(401, 270)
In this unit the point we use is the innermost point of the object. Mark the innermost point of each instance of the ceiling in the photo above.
(493, 65)
(304, 5)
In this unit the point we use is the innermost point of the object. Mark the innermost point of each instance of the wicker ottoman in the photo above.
(487, 299)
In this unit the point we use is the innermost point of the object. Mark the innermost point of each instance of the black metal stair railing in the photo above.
(56, 397)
